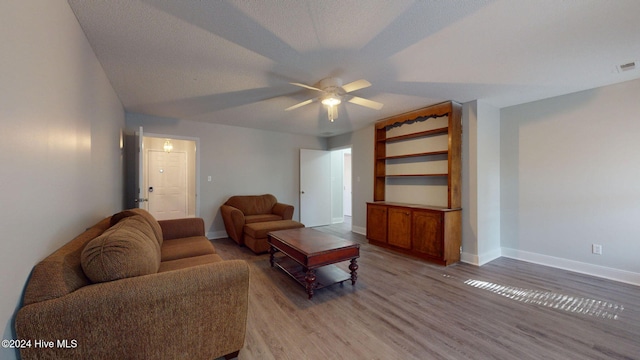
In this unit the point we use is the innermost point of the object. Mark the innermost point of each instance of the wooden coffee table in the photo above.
(310, 255)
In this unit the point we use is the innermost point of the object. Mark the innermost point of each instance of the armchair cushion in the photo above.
(261, 218)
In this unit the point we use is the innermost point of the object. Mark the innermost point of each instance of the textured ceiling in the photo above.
(231, 62)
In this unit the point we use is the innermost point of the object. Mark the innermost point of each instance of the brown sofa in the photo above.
(136, 288)
(248, 219)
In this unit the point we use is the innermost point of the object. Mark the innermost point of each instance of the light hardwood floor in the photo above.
(401, 308)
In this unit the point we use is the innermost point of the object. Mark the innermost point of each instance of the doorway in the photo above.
(341, 185)
(325, 186)
(347, 193)
(169, 176)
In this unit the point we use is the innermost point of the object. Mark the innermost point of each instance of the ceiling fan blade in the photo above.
(356, 85)
(366, 103)
(306, 86)
(300, 104)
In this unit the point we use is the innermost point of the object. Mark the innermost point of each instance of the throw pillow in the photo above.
(157, 230)
(126, 249)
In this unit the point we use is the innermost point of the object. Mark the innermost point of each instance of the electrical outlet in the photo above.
(596, 249)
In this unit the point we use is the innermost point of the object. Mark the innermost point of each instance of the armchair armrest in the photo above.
(196, 313)
(181, 228)
(234, 221)
(284, 210)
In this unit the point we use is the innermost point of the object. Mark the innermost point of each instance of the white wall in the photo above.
(240, 161)
(570, 177)
(480, 183)
(488, 155)
(60, 122)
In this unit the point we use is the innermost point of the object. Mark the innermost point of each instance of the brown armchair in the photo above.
(246, 209)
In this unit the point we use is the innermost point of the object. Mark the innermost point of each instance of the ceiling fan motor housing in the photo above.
(332, 85)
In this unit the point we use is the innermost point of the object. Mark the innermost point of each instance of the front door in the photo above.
(167, 184)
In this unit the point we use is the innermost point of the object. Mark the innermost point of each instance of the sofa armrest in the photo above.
(284, 210)
(181, 228)
(234, 221)
(196, 313)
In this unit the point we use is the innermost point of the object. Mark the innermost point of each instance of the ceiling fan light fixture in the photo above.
(332, 112)
(168, 146)
(332, 92)
(331, 101)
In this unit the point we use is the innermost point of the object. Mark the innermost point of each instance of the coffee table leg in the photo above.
(354, 268)
(310, 278)
(272, 250)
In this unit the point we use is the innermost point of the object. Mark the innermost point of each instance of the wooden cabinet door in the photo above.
(428, 233)
(377, 222)
(400, 227)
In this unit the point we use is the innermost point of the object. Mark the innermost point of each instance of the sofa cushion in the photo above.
(253, 204)
(188, 262)
(186, 247)
(127, 249)
(157, 230)
(261, 218)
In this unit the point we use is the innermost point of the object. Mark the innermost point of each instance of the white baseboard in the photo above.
(469, 258)
(338, 220)
(576, 266)
(482, 259)
(216, 234)
(359, 230)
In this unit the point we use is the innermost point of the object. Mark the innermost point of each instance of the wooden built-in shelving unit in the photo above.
(431, 228)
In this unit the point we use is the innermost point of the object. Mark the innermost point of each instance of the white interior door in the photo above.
(167, 184)
(315, 187)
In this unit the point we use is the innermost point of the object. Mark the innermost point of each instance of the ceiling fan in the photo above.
(333, 92)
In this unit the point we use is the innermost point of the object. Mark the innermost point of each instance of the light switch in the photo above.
(209, 178)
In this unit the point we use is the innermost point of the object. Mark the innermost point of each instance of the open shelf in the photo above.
(419, 150)
(430, 153)
(414, 175)
(432, 132)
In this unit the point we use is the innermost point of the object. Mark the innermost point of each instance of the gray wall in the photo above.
(60, 152)
(240, 161)
(570, 177)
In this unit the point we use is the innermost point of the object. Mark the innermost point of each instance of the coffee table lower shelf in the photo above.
(325, 276)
